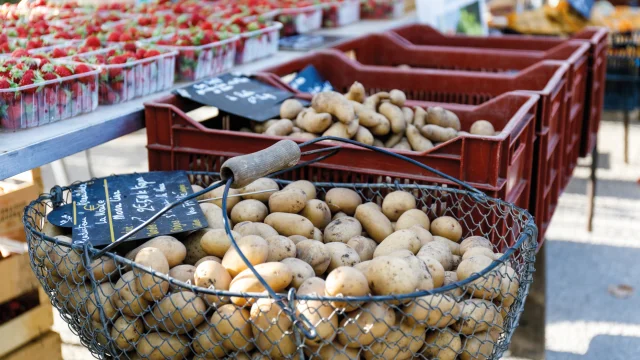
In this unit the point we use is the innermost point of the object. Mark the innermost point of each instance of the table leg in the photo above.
(591, 187)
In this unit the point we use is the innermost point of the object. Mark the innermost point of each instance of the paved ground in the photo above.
(583, 319)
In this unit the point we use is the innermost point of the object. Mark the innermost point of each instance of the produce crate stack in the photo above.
(15, 194)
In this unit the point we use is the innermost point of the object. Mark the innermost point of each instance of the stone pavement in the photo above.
(583, 319)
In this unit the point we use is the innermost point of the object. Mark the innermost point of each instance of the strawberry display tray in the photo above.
(341, 13)
(300, 20)
(47, 101)
(381, 9)
(198, 62)
(133, 78)
(258, 44)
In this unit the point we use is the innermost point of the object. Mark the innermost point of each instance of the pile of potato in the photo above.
(324, 244)
(381, 119)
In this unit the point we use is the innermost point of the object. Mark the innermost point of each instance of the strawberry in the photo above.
(81, 69)
(125, 37)
(6, 84)
(114, 37)
(140, 53)
(63, 71)
(4, 38)
(92, 42)
(118, 59)
(18, 53)
(151, 53)
(58, 53)
(130, 47)
(5, 48)
(30, 77)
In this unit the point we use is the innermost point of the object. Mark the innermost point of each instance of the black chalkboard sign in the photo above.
(583, 7)
(104, 209)
(239, 95)
(309, 80)
(306, 42)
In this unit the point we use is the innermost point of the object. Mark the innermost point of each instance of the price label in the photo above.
(239, 95)
(104, 209)
(306, 42)
(309, 80)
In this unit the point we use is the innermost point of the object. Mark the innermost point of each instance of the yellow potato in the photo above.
(416, 140)
(346, 281)
(433, 311)
(65, 261)
(270, 325)
(333, 351)
(317, 212)
(341, 255)
(314, 253)
(178, 313)
(204, 344)
(374, 222)
(486, 287)
(106, 299)
(474, 241)
(217, 193)
(356, 92)
(418, 266)
(477, 315)
(290, 108)
(451, 277)
(216, 242)
(364, 246)
(390, 275)
(447, 227)
(437, 133)
(261, 184)
(342, 230)
(402, 342)
(127, 298)
(280, 248)
(291, 200)
(423, 234)
(193, 244)
(482, 127)
(411, 218)
(248, 228)
(399, 240)
(453, 246)
(442, 117)
(363, 326)
(182, 273)
(419, 117)
(208, 258)
(277, 275)
(309, 120)
(126, 332)
(477, 347)
(442, 344)
(162, 346)
(249, 210)
(254, 248)
(364, 136)
(304, 185)
(395, 117)
(282, 127)
(322, 316)
(397, 97)
(151, 287)
(103, 268)
(231, 328)
(479, 251)
(335, 104)
(435, 269)
(213, 276)
(343, 200)
(438, 251)
(172, 248)
(290, 224)
(301, 271)
(297, 238)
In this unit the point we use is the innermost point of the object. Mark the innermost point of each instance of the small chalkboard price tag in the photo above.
(104, 209)
(306, 42)
(583, 7)
(309, 80)
(238, 94)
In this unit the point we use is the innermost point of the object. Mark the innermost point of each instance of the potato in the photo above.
(259, 229)
(303, 136)
(317, 212)
(338, 129)
(370, 118)
(408, 114)
(423, 234)
(438, 251)
(477, 347)
(335, 104)
(374, 100)
(485, 287)
(313, 122)
(106, 299)
(447, 227)
(442, 344)
(231, 328)
(249, 210)
(382, 129)
(280, 248)
(435, 269)
(412, 217)
(364, 246)
(419, 267)
(390, 275)
(198, 188)
(65, 261)
(419, 117)
(193, 244)
(509, 286)
(290, 224)
(213, 276)
(479, 251)
(301, 271)
(317, 235)
(474, 241)
(172, 248)
(217, 193)
(314, 253)
(297, 238)
(352, 128)
(482, 127)
(126, 332)
(333, 351)
(290, 108)
(213, 214)
(182, 273)
(397, 97)
(151, 288)
(73, 297)
(476, 315)
(290, 200)
(395, 116)
(437, 133)
(254, 248)
(374, 222)
(103, 268)
(433, 311)
(393, 140)
(338, 215)
(179, 313)
(162, 346)
(204, 344)
(208, 258)
(277, 275)
(454, 247)
(363, 326)
(451, 277)
(216, 242)
(342, 230)
(356, 92)
(280, 128)
(416, 140)
(261, 184)
(399, 240)
(321, 315)
(312, 286)
(341, 255)
(444, 118)
(364, 136)
(262, 127)
(343, 200)
(363, 266)
(403, 145)
(397, 203)
(271, 329)
(346, 281)
(127, 297)
(402, 342)
(304, 185)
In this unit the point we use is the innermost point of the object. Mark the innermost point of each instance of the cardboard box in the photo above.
(15, 194)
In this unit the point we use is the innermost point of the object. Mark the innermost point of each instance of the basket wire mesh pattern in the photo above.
(122, 309)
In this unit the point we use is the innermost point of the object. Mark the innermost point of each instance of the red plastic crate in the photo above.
(498, 165)
(387, 50)
(595, 36)
(548, 79)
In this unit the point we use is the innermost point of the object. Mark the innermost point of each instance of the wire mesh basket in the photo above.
(145, 310)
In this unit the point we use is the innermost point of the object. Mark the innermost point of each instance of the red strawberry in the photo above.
(81, 69)
(4, 38)
(63, 71)
(118, 59)
(130, 47)
(151, 53)
(6, 84)
(114, 37)
(125, 37)
(28, 78)
(18, 53)
(34, 44)
(58, 53)
(140, 53)
(93, 42)
(5, 48)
